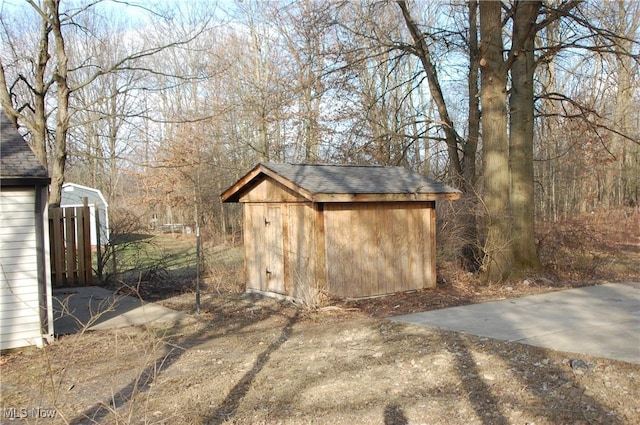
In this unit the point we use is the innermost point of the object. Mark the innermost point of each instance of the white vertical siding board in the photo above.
(45, 276)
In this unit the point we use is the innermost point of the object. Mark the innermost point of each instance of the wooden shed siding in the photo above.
(20, 293)
(279, 239)
(379, 248)
(430, 242)
(274, 244)
(320, 248)
(21, 282)
(301, 258)
(272, 192)
(358, 249)
(28, 308)
(254, 236)
(276, 258)
(346, 231)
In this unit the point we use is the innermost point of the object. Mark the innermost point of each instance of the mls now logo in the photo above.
(22, 413)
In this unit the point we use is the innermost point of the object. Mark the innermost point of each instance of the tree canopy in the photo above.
(530, 108)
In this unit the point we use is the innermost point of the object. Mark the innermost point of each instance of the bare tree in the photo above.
(304, 26)
(422, 51)
(31, 96)
(462, 168)
(35, 114)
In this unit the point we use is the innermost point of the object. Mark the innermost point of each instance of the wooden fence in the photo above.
(70, 237)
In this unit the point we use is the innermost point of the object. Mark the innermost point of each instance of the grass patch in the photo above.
(155, 267)
(160, 266)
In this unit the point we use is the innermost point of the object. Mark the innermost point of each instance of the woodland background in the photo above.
(530, 108)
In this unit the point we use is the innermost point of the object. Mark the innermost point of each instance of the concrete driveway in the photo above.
(96, 308)
(602, 320)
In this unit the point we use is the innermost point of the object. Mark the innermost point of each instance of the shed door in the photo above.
(274, 250)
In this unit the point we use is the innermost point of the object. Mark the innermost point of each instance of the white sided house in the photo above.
(73, 196)
(26, 313)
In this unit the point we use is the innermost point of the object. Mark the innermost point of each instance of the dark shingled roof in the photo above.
(358, 179)
(345, 183)
(17, 159)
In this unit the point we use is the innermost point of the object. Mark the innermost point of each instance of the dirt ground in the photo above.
(251, 360)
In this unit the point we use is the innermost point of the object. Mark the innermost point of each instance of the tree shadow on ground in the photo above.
(172, 351)
(394, 415)
(489, 402)
(227, 409)
(485, 404)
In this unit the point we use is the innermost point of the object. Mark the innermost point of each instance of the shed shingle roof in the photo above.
(17, 159)
(324, 182)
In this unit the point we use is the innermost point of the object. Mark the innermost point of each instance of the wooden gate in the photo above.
(70, 236)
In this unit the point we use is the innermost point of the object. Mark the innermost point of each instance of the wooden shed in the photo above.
(346, 231)
(26, 314)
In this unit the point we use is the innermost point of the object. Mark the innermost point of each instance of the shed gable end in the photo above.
(269, 190)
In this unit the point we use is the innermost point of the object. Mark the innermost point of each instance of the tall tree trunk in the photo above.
(521, 132)
(38, 126)
(62, 115)
(498, 248)
(471, 254)
(424, 55)
(471, 146)
(628, 181)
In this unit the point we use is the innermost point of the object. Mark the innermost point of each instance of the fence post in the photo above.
(198, 255)
(57, 245)
(98, 242)
(84, 254)
(71, 251)
(70, 245)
